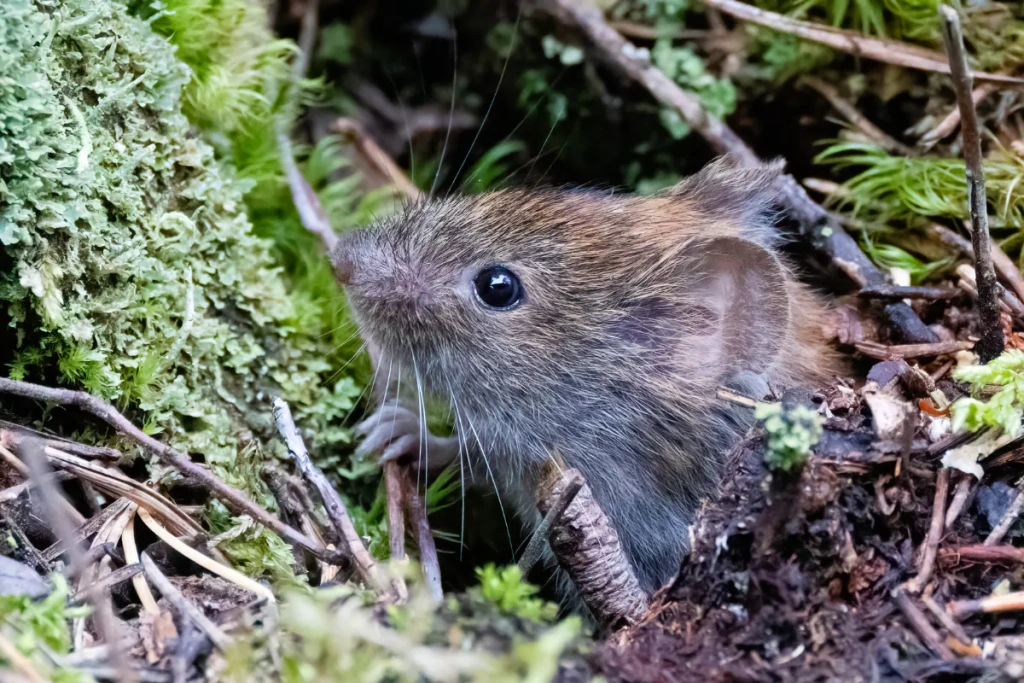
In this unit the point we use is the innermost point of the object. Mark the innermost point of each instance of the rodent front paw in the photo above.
(395, 432)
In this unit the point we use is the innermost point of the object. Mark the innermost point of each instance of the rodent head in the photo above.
(544, 296)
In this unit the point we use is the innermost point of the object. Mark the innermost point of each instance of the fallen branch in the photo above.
(588, 549)
(931, 544)
(852, 42)
(965, 645)
(949, 123)
(375, 158)
(961, 493)
(992, 341)
(995, 554)
(336, 512)
(873, 132)
(307, 203)
(898, 292)
(1010, 602)
(821, 230)
(232, 498)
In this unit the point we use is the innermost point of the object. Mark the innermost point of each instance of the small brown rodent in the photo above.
(592, 324)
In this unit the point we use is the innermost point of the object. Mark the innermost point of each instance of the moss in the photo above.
(792, 433)
(152, 255)
(1003, 407)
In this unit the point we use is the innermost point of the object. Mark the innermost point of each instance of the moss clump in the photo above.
(792, 433)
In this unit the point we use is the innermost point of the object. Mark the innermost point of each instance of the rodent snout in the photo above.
(343, 261)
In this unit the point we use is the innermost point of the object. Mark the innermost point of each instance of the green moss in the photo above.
(792, 433)
(505, 588)
(1002, 409)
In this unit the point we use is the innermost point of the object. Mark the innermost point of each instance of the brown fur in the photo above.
(636, 310)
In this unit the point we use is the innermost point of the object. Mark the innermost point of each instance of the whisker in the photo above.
(451, 112)
(497, 88)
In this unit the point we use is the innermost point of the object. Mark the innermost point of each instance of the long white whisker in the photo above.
(451, 112)
(423, 434)
(462, 477)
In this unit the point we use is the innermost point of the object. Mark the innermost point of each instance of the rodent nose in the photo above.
(342, 261)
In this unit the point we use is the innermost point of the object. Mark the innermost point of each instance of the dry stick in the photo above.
(947, 621)
(992, 342)
(103, 611)
(984, 553)
(931, 546)
(852, 42)
(396, 514)
(947, 125)
(922, 627)
(816, 225)
(588, 549)
(898, 292)
(960, 495)
(1009, 517)
(1004, 265)
(376, 158)
(416, 509)
(1010, 602)
(185, 609)
(336, 511)
(232, 498)
(539, 540)
(107, 582)
(884, 352)
(876, 134)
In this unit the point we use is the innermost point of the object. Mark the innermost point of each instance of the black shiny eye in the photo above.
(498, 287)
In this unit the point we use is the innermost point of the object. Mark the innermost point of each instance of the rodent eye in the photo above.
(498, 287)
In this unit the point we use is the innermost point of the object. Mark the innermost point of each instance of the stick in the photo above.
(960, 495)
(919, 622)
(897, 292)
(876, 134)
(1004, 265)
(992, 342)
(931, 546)
(883, 352)
(1009, 517)
(307, 203)
(233, 499)
(588, 549)
(816, 225)
(985, 553)
(376, 158)
(20, 661)
(947, 125)
(947, 621)
(1010, 602)
(539, 539)
(852, 42)
(396, 515)
(184, 608)
(336, 511)
(416, 510)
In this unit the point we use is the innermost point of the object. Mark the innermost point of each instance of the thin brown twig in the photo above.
(922, 627)
(884, 352)
(1009, 518)
(852, 42)
(20, 662)
(984, 553)
(898, 292)
(931, 544)
(961, 493)
(853, 115)
(817, 226)
(232, 498)
(376, 158)
(992, 341)
(958, 639)
(416, 509)
(1009, 602)
(396, 514)
(336, 511)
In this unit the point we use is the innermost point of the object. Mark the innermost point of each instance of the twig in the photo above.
(876, 134)
(1009, 602)
(415, 508)
(307, 39)
(984, 553)
(233, 499)
(949, 123)
(307, 203)
(922, 627)
(897, 292)
(961, 493)
(732, 397)
(336, 512)
(107, 582)
(11, 436)
(992, 341)
(817, 226)
(931, 545)
(852, 42)
(588, 549)
(1004, 265)
(396, 514)
(947, 621)
(20, 661)
(376, 158)
(539, 540)
(883, 352)
(1008, 520)
(631, 29)
(103, 612)
(185, 609)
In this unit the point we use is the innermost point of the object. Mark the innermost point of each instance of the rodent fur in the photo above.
(635, 311)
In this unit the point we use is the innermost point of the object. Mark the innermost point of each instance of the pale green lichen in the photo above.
(1003, 377)
(792, 433)
(137, 261)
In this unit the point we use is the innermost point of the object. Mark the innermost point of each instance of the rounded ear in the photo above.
(744, 285)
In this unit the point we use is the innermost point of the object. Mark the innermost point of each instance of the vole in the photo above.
(591, 324)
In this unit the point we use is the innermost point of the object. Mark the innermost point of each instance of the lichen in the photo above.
(792, 433)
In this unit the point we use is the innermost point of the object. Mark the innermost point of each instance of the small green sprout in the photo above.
(505, 588)
(1004, 408)
(792, 433)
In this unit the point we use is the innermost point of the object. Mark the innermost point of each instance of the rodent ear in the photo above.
(744, 196)
(745, 286)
